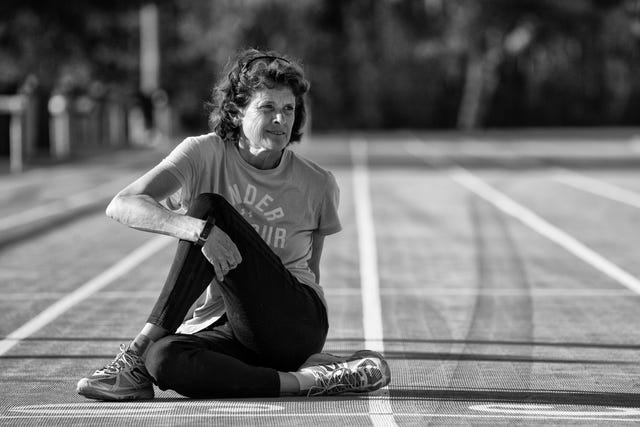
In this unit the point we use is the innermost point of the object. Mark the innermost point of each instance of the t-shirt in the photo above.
(285, 205)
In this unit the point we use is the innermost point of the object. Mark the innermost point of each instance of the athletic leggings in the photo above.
(272, 321)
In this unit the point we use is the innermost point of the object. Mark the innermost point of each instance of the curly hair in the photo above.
(250, 71)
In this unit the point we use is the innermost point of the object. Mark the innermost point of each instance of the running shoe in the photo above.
(364, 371)
(125, 378)
(323, 359)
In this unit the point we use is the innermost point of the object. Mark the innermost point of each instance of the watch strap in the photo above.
(204, 234)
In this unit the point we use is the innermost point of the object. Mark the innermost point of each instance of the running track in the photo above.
(498, 274)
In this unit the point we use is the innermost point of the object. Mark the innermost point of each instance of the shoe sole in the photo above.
(85, 390)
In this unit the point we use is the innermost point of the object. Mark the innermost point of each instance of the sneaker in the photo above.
(125, 378)
(323, 359)
(362, 372)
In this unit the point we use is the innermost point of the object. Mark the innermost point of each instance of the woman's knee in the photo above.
(207, 203)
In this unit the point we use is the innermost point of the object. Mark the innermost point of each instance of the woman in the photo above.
(251, 241)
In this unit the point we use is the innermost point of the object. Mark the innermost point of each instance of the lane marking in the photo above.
(124, 408)
(599, 188)
(380, 409)
(497, 292)
(62, 206)
(550, 410)
(346, 292)
(86, 290)
(243, 409)
(477, 186)
(28, 296)
(96, 409)
(369, 280)
(135, 414)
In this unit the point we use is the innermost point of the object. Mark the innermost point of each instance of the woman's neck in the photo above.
(259, 158)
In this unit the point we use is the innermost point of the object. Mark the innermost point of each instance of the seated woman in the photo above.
(251, 216)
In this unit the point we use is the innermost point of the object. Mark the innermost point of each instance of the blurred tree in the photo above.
(67, 43)
(372, 63)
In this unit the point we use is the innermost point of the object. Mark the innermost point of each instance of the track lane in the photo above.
(440, 373)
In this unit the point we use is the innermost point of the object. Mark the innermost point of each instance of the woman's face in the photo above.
(268, 118)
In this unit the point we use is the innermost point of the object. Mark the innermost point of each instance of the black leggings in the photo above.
(272, 321)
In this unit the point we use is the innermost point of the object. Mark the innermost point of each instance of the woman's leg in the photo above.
(213, 364)
(274, 324)
(269, 311)
(210, 364)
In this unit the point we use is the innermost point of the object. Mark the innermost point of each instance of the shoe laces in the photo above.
(123, 360)
(343, 379)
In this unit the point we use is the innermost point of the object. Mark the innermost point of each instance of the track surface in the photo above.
(498, 274)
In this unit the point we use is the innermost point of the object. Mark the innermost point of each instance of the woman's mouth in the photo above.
(276, 132)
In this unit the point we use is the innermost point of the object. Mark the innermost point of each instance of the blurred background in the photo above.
(80, 75)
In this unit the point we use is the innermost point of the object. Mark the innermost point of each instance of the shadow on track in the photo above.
(550, 397)
(496, 343)
(391, 355)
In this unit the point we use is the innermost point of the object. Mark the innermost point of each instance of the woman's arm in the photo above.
(317, 243)
(138, 206)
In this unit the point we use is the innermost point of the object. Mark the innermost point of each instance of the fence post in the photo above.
(116, 127)
(17, 145)
(162, 115)
(60, 127)
(15, 106)
(29, 115)
(83, 123)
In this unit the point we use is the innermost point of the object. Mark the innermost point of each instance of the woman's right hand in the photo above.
(221, 252)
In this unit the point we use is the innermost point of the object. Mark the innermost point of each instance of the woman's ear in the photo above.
(237, 118)
(235, 114)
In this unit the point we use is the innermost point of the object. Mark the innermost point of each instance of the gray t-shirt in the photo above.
(285, 205)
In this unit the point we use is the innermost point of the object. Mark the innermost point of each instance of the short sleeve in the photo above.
(183, 163)
(329, 221)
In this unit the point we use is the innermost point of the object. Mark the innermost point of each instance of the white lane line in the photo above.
(342, 415)
(380, 409)
(233, 409)
(28, 296)
(345, 292)
(497, 292)
(599, 188)
(89, 288)
(369, 279)
(62, 206)
(536, 223)
(7, 297)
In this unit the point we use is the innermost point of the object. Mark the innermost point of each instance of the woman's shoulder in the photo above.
(205, 144)
(310, 169)
(204, 140)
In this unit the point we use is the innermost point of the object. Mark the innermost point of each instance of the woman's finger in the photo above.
(236, 255)
(219, 272)
(207, 255)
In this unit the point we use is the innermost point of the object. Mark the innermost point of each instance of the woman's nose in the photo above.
(279, 118)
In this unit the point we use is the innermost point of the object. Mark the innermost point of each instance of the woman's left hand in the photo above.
(221, 252)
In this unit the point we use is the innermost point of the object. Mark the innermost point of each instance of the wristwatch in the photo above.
(208, 226)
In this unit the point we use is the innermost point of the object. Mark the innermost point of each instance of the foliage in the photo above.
(372, 63)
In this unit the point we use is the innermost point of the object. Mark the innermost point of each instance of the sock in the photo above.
(305, 379)
(141, 344)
